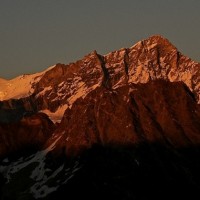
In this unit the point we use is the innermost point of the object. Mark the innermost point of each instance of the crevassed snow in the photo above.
(20, 86)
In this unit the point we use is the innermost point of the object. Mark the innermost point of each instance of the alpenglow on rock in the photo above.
(60, 86)
(57, 90)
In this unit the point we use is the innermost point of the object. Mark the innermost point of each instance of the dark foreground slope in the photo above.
(148, 171)
(135, 142)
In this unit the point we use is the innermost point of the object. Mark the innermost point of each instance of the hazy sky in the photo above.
(35, 34)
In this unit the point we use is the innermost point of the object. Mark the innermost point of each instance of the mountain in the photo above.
(58, 88)
(109, 126)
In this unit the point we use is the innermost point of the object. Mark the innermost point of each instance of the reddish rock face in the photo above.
(30, 132)
(158, 111)
(151, 59)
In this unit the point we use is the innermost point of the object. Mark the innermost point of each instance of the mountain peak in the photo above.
(159, 40)
(156, 37)
(150, 59)
(91, 54)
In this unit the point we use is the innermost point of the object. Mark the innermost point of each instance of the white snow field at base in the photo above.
(39, 174)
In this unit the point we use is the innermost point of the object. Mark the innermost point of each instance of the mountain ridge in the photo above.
(157, 41)
(58, 87)
(137, 64)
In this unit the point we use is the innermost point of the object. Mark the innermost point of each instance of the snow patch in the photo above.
(151, 46)
(81, 92)
(56, 116)
(42, 93)
(15, 167)
(40, 175)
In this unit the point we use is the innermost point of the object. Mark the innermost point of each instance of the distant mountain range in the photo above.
(125, 125)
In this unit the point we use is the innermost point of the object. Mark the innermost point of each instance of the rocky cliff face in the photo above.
(30, 133)
(155, 112)
(151, 59)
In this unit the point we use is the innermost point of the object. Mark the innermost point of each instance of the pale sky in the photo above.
(35, 34)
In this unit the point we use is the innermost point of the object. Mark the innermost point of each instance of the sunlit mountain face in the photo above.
(125, 125)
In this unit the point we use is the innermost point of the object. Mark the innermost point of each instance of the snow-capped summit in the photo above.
(19, 87)
(57, 88)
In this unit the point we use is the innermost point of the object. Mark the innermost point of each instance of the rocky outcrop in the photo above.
(151, 59)
(13, 110)
(158, 111)
(31, 132)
